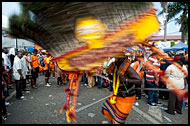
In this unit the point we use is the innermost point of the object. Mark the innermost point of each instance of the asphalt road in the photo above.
(40, 106)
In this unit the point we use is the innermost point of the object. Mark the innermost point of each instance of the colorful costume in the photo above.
(52, 67)
(117, 107)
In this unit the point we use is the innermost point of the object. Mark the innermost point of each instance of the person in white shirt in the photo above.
(24, 70)
(6, 59)
(18, 76)
(176, 76)
(7, 62)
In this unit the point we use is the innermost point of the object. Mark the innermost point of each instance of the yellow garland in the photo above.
(115, 88)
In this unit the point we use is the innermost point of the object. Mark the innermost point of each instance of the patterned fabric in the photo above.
(150, 74)
(118, 112)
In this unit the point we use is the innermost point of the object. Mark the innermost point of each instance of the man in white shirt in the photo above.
(6, 59)
(24, 70)
(18, 76)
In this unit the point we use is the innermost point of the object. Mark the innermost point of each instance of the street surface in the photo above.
(41, 106)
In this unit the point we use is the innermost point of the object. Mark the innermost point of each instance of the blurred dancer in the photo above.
(117, 107)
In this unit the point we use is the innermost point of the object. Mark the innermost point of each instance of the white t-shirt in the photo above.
(16, 66)
(24, 66)
(6, 60)
(176, 76)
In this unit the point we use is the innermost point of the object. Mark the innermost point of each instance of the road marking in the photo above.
(149, 118)
(89, 105)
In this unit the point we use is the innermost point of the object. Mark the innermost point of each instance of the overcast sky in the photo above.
(9, 8)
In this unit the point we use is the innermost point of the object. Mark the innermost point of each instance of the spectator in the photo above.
(176, 76)
(28, 76)
(41, 61)
(34, 68)
(24, 70)
(4, 110)
(99, 78)
(4, 75)
(104, 68)
(47, 69)
(52, 68)
(12, 52)
(152, 81)
(84, 79)
(29, 59)
(91, 81)
(163, 66)
(6, 59)
(59, 76)
(111, 60)
(8, 64)
(105, 83)
(18, 76)
(185, 62)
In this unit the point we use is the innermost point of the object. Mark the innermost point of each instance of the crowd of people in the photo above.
(21, 67)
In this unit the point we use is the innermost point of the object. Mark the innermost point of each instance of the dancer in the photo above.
(117, 107)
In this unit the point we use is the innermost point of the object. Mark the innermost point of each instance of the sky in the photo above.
(10, 8)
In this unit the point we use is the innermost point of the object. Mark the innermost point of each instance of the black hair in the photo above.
(5, 48)
(35, 50)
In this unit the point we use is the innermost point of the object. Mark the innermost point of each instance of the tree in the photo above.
(175, 8)
(165, 9)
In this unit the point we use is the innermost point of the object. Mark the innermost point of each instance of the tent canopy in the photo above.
(30, 49)
(179, 46)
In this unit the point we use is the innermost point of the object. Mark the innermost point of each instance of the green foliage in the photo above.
(175, 8)
(172, 43)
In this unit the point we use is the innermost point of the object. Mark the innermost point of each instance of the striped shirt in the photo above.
(150, 73)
